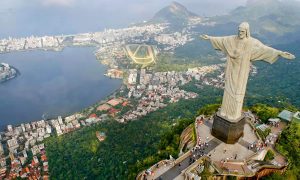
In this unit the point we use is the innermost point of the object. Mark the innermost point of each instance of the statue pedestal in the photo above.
(226, 130)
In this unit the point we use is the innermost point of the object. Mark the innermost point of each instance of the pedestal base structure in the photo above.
(226, 130)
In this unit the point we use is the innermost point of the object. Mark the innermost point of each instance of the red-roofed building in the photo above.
(114, 102)
(27, 170)
(93, 116)
(33, 163)
(44, 157)
(113, 111)
(125, 103)
(103, 107)
(23, 173)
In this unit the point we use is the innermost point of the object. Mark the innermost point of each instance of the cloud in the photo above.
(58, 2)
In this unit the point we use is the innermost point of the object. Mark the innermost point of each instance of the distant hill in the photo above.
(175, 14)
(272, 20)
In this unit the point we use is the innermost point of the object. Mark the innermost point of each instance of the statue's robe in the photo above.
(239, 54)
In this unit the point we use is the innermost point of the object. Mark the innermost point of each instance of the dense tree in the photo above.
(289, 146)
(128, 148)
(264, 134)
(264, 112)
(209, 109)
(269, 156)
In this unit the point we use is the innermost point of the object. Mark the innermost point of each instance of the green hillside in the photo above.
(79, 155)
(279, 83)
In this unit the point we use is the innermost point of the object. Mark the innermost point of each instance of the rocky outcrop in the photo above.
(187, 139)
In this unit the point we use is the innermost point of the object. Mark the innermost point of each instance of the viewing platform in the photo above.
(245, 158)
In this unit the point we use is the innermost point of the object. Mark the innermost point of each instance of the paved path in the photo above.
(208, 123)
(176, 170)
(245, 144)
(212, 144)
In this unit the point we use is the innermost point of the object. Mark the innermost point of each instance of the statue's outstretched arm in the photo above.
(287, 55)
(205, 36)
(266, 53)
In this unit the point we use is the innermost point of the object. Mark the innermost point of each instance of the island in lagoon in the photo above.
(7, 72)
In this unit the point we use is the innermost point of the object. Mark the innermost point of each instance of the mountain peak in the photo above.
(175, 13)
(177, 6)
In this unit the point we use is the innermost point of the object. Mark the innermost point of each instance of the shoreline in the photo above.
(3, 129)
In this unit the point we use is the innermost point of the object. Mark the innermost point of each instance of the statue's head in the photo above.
(244, 30)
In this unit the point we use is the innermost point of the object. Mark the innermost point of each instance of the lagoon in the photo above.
(52, 84)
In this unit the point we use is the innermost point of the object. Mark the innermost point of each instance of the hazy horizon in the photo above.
(49, 17)
(52, 17)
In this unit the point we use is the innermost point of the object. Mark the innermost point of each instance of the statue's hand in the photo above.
(205, 37)
(287, 55)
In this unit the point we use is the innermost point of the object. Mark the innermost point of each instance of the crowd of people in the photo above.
(198, 151)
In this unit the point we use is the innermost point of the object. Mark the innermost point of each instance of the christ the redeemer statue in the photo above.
(240, 50)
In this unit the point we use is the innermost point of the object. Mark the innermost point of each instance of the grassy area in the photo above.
(168, 62)
(142, 52)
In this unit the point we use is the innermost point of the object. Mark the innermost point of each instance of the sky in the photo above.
(41, 17)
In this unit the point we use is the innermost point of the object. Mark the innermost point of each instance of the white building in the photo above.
(12, 143)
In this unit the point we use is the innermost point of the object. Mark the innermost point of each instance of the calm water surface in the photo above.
(52, 83)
